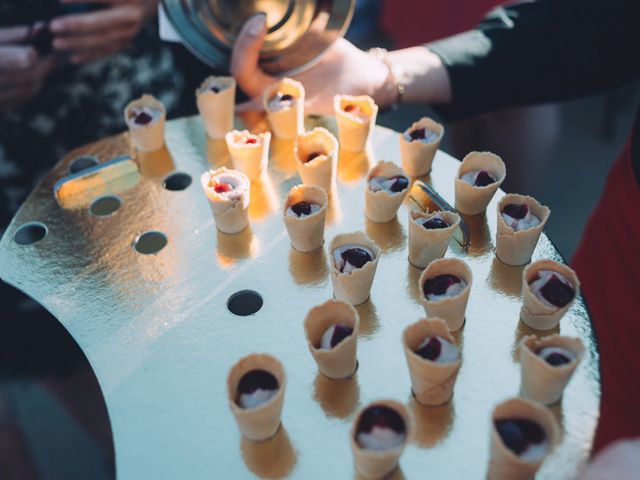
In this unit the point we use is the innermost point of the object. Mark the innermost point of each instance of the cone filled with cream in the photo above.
(356, 117)
(387, 186)
(316, 154)
(418, 146)
(429, 235)
(305, 213)
(249, 152)
(216, 103)
(479, 176)
(284, 103)
(145, 118)
(228, 192)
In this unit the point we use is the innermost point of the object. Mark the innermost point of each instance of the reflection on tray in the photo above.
(218, 154)
(338, 398)
(264, 199)
(272, 458)
(155, 164)
(388, 236)
(354, 165)
(282, 156)
(308, 268)
(233, 248)
(413, 275)
(432, 424)
(369, 321)
(479, 235)
(505, 278)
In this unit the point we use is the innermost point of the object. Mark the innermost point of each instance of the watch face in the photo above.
(299, 32)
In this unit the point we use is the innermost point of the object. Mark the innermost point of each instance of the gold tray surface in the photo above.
(157, 332)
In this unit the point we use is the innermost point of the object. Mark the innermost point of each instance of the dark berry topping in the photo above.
(417, 134)
(251, 141)
(381, 417)
(518, 433)
(313, 155)
(431, 350)
(556, 359)
(357, 257)
(222, 187)
(439, 285)
(434, 223)
(257, 380)
(516, 211)
(215, 89)
(143, 118)
(285, 98)
(484, 178)
(340, 332)
(350, 108)
(400, 183)
(302, 208)
(556, 292)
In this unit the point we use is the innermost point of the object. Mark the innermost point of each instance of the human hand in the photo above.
(100, 33)
(344, 69)
(22, 71)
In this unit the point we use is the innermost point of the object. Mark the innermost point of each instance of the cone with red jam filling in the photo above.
(332, 332)
(547, 364)
(228, 192)
(548, 290)
(387, 185)
(249, 151)
(379, 434)
(479, 176)
(255, 388)
(429, 235)
(356, 117)
(316, 154)
(145, 118)
(354, 259)
(216, 102)
(522, 435)
(284, 103)
(418, 146)
(444, 291)
(521, 220)
(305, 212)
(434, 360)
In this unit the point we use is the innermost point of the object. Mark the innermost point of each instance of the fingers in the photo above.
(15, 34)
(14, 57)
(92, 22)
(98, 54)
(245, 56)
(86, 42)
(253, 105)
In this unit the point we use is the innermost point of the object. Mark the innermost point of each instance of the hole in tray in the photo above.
(105, 206)
(151, 242)
(30, 233)
(244, 303)
(177, 181)
(82, 163)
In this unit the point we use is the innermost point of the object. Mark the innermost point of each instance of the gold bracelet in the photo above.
(393, 81)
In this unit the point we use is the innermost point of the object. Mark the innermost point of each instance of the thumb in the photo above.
(16, 34)
(245, 56)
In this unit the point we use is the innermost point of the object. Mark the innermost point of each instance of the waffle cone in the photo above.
(353, 133)
(505, 464)
(340, 361)
(231, 215)
(321, 171)
(375, 464)
(417, 157)
(451, 309)
(534, 313)
(382, 206)
(147, 138)
(541, 382)
(306, 234)
(287, 123)
(263, 421)
(354, 287)
(516, 248)
(426, 245)
(431, 383)
(472, 200)
(252, 159)
(217, 109)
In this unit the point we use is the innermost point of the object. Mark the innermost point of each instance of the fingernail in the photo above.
(257, 24)
(56, 26)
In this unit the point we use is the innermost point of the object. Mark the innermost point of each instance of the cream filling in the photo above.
(340, 263)
(380, 439)
(377, 184)
(452, 291)
(315, 208)
(470, 177)
(275, 104)
(429, 136)
(325, 342)
(135, 111)
(257, 398)
(535, 451)
(543, 277)
(546, 351)
(518, 224)
(448, 353)
(234, 181)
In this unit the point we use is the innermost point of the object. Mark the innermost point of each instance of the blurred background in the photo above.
(53, 421)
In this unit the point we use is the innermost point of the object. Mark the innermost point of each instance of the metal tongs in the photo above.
(426, 199)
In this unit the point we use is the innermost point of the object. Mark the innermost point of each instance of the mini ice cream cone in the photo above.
(473, 200)
(249, 152)
(516, 247)
(542, 382)
(356, 117)
(316, 154)
(146, 137)
(450, 309)
(306, 233)
(417, 156)
(427, 245)
(286, 118)
(431, 383)
(353, 287)
(216, 102)
(536, 314)
(504, 464)
(230, 210)
(262, 421)
(377, 464)
(339, 361)
(382, 206)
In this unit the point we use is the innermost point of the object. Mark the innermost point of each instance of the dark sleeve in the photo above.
(544, 51)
